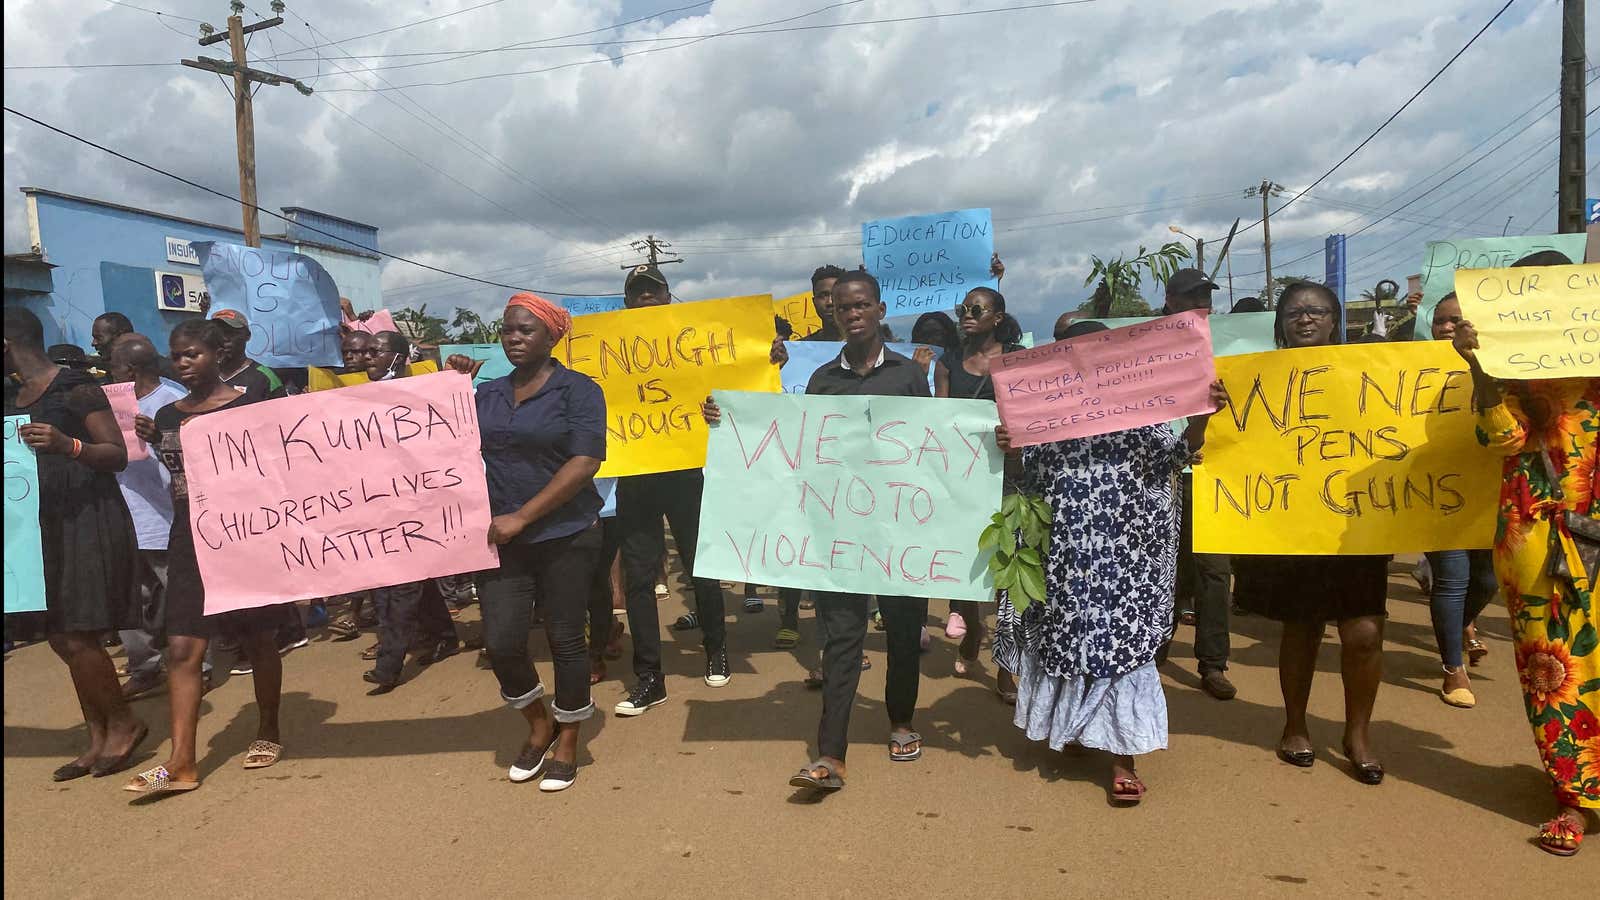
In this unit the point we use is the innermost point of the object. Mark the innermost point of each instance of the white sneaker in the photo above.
(717, 674)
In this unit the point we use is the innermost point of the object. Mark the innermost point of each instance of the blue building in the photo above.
(111, 258)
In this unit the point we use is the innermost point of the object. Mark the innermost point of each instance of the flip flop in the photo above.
(262, 754)
(787, 638)
(686, 622)
(814, 678)
(157, 781)
(806, 778)
(955, 627)
(898, 743)
(104, 767)
(1560, 829)
(1127, 790)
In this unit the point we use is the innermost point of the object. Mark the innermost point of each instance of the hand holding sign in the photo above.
(1107, 381)
(1534, 322)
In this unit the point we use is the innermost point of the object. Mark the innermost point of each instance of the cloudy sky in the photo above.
(1086, 128)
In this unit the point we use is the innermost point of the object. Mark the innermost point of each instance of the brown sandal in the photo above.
(262, 754)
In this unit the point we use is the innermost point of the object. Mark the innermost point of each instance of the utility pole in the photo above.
(244, 79)
(1572, 166)
(1267, 189)
(653, 248)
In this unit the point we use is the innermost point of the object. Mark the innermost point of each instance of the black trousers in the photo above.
(408, 611)
(600, 608)
(643, 501)
(1205, 581)
(558, 574)
(842, 619)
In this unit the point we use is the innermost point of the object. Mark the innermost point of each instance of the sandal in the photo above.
(344, 629)
(1127, 790)
(1555, 834)
(787, 638)
(157, 781)
(899, 741)
(370, 653)
(686, 622)
(955, 627)
(1476, 651)
(808, 778)
(614, 645)
(597, 671)
(262, 754)
(814, 678)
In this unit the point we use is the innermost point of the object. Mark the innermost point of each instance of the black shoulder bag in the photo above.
(1585, 532)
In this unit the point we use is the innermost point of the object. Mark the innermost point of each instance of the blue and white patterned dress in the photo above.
(1085, 659)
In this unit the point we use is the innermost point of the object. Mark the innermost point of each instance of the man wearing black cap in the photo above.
(642, 502)
(1204, 579)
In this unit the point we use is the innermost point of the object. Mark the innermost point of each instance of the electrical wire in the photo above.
(226, 196)
(690, 40)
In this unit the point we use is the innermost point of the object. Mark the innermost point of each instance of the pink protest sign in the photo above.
(125, 405)
(1107, 381)
(378, 321)
(340, 491)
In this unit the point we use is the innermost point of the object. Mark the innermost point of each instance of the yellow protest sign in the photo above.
(318, 379)
(1361, 449)
(801, 314)
(1534, 322)
(657, 364)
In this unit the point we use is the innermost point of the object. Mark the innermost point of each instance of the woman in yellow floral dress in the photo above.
(1553, 619)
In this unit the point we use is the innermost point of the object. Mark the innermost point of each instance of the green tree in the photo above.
(1282, 281)
(1122, 278)
(419, 326)
(472, 329)
(1124, 304)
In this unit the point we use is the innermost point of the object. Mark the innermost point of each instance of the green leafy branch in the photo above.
(1019, 537)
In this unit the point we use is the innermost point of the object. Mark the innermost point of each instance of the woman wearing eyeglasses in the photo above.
(1463, 580)
(986, 332)
(1306, 592)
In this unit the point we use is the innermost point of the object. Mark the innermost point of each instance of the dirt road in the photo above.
(406, 794)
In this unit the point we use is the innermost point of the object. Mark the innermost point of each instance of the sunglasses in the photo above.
(964, 310)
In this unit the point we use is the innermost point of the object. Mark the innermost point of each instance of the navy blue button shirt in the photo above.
(524, 446)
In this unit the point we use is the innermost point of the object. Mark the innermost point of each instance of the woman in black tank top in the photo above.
(986, 332)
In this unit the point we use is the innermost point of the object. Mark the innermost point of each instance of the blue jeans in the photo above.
(1463, 584)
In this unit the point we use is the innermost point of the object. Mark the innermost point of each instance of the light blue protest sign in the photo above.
(583, 306)
(869, 495)
(926, 263)
(806, 357)
(1026, 340)
(290, 301)
(24, 556)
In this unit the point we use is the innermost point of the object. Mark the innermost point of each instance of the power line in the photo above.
(333, 43)
(518, 45)
(1392, 117)
(689, 40)
(154, 12)
(226, 196)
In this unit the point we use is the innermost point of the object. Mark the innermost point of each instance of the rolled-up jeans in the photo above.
(558, 574)
(1463, 584)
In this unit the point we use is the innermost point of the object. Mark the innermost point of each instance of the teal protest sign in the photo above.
(1443, 258)
(289, 300)
(494, 359)
(871, 495)
(925, 263)
(24, 559)
(806, 357)
(1232, 334)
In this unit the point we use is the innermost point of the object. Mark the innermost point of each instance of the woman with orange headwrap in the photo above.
(543, 437)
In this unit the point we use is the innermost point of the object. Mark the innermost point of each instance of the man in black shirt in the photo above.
(865, 367)
(1204, 579)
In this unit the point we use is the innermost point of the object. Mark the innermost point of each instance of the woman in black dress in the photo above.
(1306, 592)
(986, 332)
(196, 345)
(86, 535)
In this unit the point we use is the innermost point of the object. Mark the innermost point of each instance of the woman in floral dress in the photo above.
(1085, 658)
(1543, 427)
